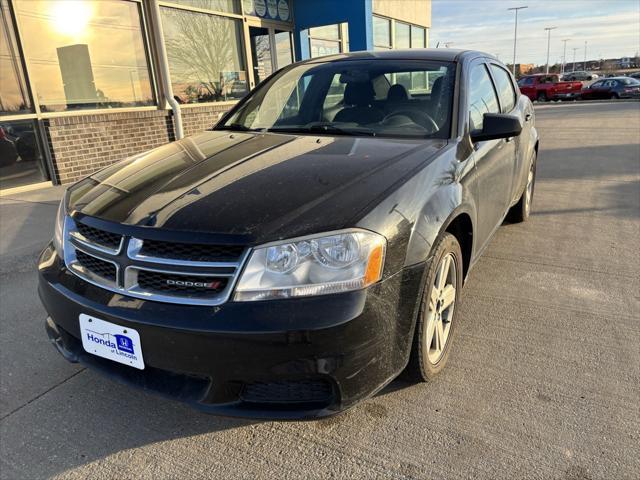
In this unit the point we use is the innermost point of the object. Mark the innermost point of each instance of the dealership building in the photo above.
(85, 83)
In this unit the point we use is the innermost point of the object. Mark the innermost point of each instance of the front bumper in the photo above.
(290, 359)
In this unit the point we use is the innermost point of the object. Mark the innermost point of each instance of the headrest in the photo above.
(360, 94)
(436, 90)
(397, 93)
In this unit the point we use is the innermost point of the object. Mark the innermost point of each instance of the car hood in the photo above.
(263, 186)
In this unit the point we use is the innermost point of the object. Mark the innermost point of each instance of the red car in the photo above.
(543, 87)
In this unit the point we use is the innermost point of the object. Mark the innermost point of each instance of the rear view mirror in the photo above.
(497, 125)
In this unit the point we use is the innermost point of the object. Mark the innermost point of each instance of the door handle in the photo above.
(527, 117)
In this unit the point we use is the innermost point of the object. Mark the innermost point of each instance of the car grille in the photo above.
(152, 269)
(300, 391)
(192, 252)
(100, 238)
(97, 266)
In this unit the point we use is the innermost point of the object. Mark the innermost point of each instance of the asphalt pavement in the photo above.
(543, 380)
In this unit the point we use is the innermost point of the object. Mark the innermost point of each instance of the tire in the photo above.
(542, 97)
(614, 96)
(520, 211)
(426, 362)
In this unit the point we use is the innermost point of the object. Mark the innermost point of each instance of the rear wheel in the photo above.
(436, 320)
(521, 210)
(542, 97)
(614, 96)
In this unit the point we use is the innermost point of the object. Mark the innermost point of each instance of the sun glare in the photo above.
(71, 17)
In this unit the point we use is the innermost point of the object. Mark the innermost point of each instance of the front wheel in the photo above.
(614, 96)
(436, 320)
(521, 210)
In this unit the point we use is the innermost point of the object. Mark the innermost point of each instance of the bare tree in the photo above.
(198, 48)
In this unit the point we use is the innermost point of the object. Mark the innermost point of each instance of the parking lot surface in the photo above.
(543, 380)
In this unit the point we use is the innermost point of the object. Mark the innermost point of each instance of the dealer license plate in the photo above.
(111, 341)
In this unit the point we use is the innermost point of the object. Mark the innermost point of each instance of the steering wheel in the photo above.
(417, 116)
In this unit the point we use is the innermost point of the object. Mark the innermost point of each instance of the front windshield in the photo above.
(396, 98)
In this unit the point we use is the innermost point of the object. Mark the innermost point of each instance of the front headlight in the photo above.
(315, 265)
(58, 232)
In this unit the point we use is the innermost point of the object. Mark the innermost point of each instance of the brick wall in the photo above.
(82, 144)
(197, 119)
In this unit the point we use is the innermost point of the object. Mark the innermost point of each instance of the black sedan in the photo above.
(309, 248)
(616, 87)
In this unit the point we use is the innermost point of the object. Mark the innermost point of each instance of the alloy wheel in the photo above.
(441, 304)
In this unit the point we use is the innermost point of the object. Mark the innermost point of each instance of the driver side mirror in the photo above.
(497, 125)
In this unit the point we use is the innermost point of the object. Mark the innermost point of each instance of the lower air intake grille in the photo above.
(192, 251)
(96, 266)
(181, 285)
(301, 391)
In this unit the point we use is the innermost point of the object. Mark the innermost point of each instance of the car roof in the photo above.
(437, 54)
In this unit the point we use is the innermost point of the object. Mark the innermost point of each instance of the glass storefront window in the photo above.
(284, 51)
(261, 53)
(229, 6)
(205, 54)
(381, 32)
(418, 39)
(21, 160)
(320, 48)
(403, 35)
(326, 32)
(85, 54)
(13, 91)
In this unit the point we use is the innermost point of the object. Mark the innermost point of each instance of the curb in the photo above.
(583, 102)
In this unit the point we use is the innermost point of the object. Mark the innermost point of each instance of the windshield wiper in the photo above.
(324, 128)
(239, 127)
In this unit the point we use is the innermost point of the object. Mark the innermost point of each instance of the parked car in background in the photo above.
(616, 87)
(635, 75)
(300, 255)
(581, 75)
(543, 87)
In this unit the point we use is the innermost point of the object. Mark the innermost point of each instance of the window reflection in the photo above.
(403, 35)
(418, 39)
(85, 54)
(205, 56)
(381, 33)
(230, 6)
(261, 53)
(284, 52)
(21, 160)
(13, 92)
(325, 40)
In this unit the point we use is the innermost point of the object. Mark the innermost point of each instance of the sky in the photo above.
(611, 28)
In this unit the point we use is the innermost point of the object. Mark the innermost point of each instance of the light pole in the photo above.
(515, 35)
(548, 29)
(585, 55)
(564, 55)
(574, 58)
